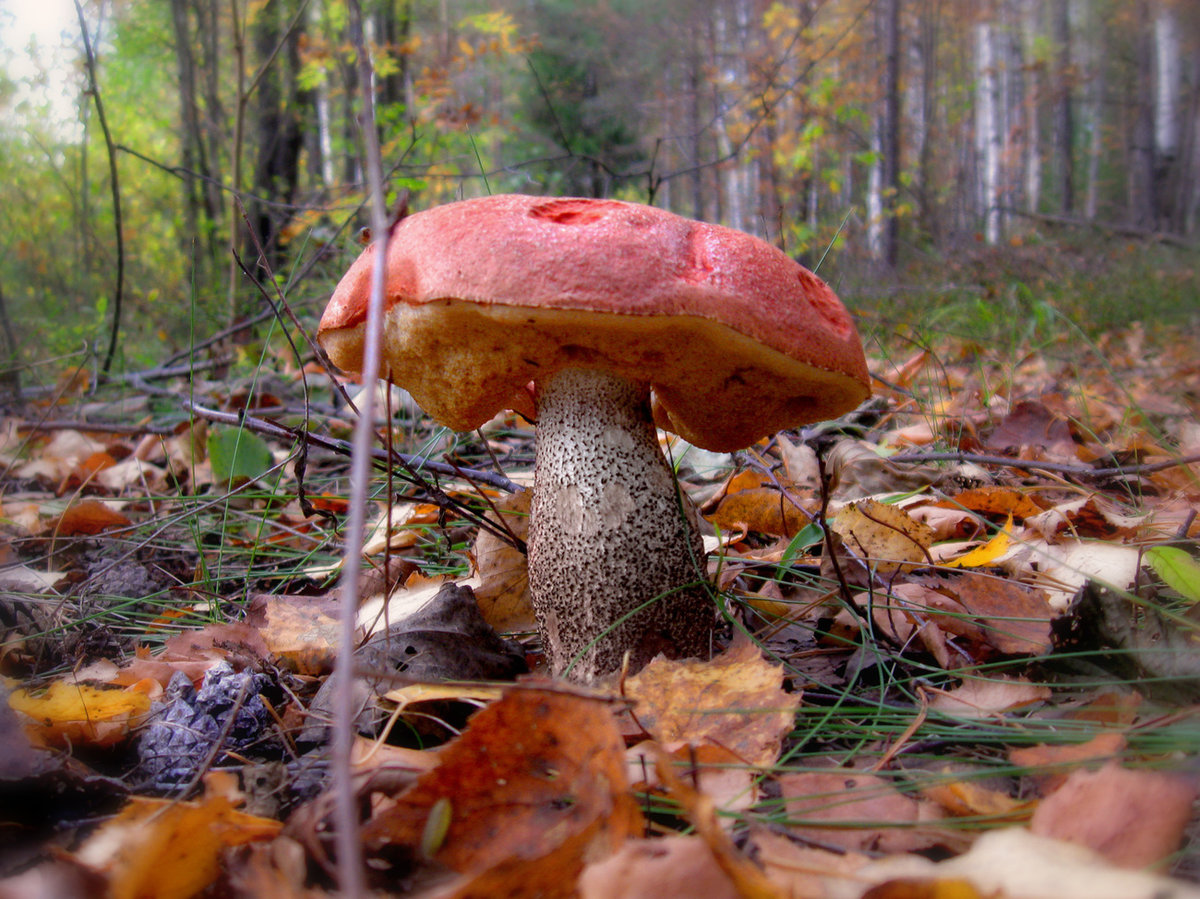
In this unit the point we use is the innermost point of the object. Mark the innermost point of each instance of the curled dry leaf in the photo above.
(856, 470)
(503, 591)
(533, 787)
(736, 701)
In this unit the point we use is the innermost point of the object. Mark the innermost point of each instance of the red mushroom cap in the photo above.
(483, 296)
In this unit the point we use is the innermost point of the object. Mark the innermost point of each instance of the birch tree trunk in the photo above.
(988, 137)
(889, 130)
(1167, 71)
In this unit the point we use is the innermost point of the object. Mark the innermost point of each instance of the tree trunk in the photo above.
(926, 111)
(1167, 78)
(889, 131)
(1142, 204)
(1094, 113)
(988, 137)
(1064, 120)
(281, 107)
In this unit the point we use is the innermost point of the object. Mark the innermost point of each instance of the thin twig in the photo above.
(1081, 471)
(114, 187)
(349, 848)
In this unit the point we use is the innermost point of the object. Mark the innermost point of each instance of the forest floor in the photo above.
(960, 654)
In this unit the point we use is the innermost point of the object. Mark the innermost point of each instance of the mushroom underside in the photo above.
(718, 389)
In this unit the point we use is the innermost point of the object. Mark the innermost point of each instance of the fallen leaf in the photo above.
(985, 697)
(299, 632)
(503, 591)
(654, 869)
(713, 770)
(537, 775)
(986, 554)
(995, 502)
(1051, 763)
(88, 518)
(884, 537)
(1031, 427)
(167, 849)
(801, 870)
(69, 713)
(1178, 570)
(736, 701)
(969, 799)
(1062, 569)
(860, 812)
(1012, 863)
(1133, 818)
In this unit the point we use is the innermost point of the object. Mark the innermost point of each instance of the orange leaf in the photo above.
(167, 849)
(88, 518)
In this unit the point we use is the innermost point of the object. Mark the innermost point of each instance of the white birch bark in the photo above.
(988, 130)
(1167, 71)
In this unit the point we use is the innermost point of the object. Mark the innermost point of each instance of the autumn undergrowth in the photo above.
(1081, 322)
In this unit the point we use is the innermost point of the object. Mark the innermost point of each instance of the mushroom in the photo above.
(613, 317)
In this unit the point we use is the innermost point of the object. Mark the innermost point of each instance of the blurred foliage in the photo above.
(759, 118)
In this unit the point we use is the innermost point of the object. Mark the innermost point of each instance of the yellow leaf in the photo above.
(71, 713)
(988, 553)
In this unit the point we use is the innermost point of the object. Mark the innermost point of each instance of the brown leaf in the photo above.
(713, 770)
(503, 591)
(1054, 761)
(996, 503)
(763, 510)
(536, 781)
(736, 701)
(156, 847)
(1030, 430)
(299, 632)
(967, 798)
(805, 871)
(654, 869)
(859, 812)
(1132, 818)
(88, 518)
(1010, 617)
(993, 696)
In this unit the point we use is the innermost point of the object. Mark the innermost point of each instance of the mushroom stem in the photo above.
(615, 563)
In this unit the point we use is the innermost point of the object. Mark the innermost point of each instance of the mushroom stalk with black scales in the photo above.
(622, 317)
(616, 562)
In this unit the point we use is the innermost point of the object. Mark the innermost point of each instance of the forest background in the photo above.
(1005, 156)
